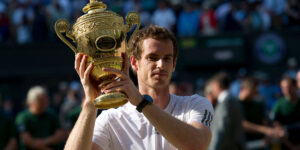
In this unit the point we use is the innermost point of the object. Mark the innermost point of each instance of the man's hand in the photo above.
(90, 86)
(124, 84)
(41, 144)
(275, 132)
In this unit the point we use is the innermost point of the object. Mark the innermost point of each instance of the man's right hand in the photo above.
(90, 86)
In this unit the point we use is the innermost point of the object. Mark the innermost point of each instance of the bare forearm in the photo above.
(58, 137)
(81, 135)
(180, 134)
(28, 140)
(248, 126)
(12, 144)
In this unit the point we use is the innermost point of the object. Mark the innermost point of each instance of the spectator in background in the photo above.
(149, 5)
(70, 102)
(131, 5)
(188, 23)
(164, 16)
(258, 18)
(4, 23)
(22, 19)
(270, 92)
(255, 120)
(38, 127)
(209, 95)
(24, 32)
(235, 86)
(55, 11)
(221, 12)
(293, 12)
(286, 113)
(241, 15)
(227, 131)
(298, 83)
(292, 70)
(208, 21)
(276, 9)
(8, 140)
(145, 17)
(40, 26)
(8, 107)
(59, 96)
(230, 22)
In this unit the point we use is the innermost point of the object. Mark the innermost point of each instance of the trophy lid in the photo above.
(96, 17)
(94, 4)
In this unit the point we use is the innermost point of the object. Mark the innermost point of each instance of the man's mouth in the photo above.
(161, 73)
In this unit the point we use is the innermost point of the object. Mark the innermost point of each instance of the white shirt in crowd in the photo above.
(164, 18)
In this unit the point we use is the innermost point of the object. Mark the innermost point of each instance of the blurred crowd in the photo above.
(24, 21)
(267, 112)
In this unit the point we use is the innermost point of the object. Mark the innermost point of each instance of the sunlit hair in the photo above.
(154, 32)
(33, 93)
(207, 88)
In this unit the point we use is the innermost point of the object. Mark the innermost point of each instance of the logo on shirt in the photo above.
(207, 119)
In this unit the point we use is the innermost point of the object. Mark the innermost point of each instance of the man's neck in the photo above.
(161, 96)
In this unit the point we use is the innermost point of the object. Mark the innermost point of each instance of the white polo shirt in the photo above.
(125, 128)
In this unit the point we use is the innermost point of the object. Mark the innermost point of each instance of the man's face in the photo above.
(215, 89)
(154, 68)
(287, 88)
(298, 79)
(40, 105)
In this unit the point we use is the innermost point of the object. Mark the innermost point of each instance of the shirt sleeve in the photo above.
(101, 134)
(200, 110)
(21, 123)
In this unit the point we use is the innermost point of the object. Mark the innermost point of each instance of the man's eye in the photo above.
(168, 59)
(152, 58)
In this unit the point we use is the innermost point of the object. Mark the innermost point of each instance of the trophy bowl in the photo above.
(101, 34)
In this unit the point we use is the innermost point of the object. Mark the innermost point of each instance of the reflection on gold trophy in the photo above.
(101, 35)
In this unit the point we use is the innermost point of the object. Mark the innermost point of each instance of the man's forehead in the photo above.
(157, 47)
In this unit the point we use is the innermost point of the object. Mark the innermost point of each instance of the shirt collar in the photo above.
(222, 96)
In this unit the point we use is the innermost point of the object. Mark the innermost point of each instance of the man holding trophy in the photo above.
(153, 118)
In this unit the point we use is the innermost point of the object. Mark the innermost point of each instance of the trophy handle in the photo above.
(63, 26)
(132, 19)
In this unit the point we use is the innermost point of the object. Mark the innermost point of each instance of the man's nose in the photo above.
(160, 63)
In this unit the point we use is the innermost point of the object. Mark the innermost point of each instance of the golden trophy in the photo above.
(101, 34)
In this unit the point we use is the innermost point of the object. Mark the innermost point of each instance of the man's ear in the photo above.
(133, 62)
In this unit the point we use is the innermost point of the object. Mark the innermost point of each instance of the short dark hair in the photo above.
(155, 32)
(249, 83)
(223, 80)
(291, 81)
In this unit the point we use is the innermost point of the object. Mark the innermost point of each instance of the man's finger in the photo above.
(125, 67)
(88, 71)
(115, 89)
(77, 62)
(116, 72)
(82, 67)
(112, 85)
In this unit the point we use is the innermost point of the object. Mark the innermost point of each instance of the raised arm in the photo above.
(182, 135)
(81, 135)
